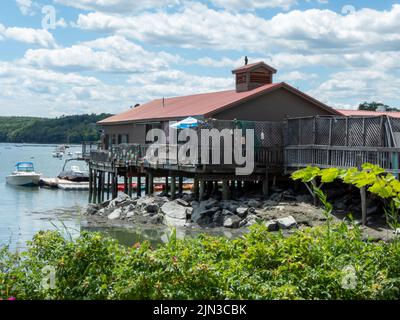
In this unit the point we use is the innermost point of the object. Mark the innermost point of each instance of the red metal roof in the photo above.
(364, 113)
(205, 104)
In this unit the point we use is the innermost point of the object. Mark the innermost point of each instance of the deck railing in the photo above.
(341, 157)
(138, 154)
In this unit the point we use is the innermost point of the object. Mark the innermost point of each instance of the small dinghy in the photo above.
(24, 175)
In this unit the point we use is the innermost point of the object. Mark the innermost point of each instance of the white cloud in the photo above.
(111, 54)
(118, 6)
(297, 76)
(244, 5)
(356, 86)
(27, 7)
(38, 37)
(197, 26)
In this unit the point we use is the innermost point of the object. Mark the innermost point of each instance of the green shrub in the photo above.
(306, 265)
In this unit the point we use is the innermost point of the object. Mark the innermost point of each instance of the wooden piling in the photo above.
(139, 186)
(173, 187)
(180, 185)
(196, 188)
(201, 189)
(225, 190)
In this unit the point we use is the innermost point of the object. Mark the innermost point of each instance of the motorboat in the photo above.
(59, 152)
(74, 174)
(24, 175)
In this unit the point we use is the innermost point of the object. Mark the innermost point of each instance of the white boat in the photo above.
(24, 175)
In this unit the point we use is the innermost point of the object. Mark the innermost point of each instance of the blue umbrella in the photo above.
(189, 122)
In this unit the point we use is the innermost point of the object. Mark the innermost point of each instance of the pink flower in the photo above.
(12, 298)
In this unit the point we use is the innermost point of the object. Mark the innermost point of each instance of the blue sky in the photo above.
(103, 56)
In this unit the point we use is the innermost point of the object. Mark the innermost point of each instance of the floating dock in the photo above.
(57, 183)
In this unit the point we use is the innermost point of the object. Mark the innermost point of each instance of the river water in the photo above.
(26, 210)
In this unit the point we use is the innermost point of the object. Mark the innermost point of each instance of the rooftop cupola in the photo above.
(254, 75)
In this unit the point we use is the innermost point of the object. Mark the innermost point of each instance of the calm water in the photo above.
(23, 210)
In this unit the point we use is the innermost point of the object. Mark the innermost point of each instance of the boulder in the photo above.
(241, 211)
(203, 214)
(130, 214)
(152, 208)
(226, 212)
(156, 219)
(231, 221)
(270, 203)
(276, 197)
(286, 223)
(207, 204)
(183, 202)
(272, 225)
(116, 214)
(174, 210)
(120, 200)
(92, 209)
(218, 219)
(254, 203)
(189, 211)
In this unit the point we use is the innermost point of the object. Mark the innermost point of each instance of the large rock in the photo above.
(152, 208)
(218, 219)
(241, 211)
(116, 214)
(120, 200)
(210, 203)
(174, 210)
(272, 225)
(254, 203)
(287, 222)
(231, 221)
(92, 208)
(203, 215)
(183, 202)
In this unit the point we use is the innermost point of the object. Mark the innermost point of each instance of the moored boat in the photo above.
(24, 175)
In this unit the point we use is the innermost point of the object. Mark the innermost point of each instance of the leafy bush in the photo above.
(310, 264)
(372, 177)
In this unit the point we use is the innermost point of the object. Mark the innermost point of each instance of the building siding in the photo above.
(273, 106)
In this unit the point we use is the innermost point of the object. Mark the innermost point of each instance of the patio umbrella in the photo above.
(189, 122)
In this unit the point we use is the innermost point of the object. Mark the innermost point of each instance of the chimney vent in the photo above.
(254, 75)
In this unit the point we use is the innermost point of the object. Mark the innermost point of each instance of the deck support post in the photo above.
(151, 185)
(108, 185)
(95, 186)
(130, 185)
(201, 189)
(265, 185)
(103, 182)
(180, 185)
(139, 186)
(173, 187)
(126, 183)
(215, 190)
(90, 185)
(147, 185)
(225, 190)
(166, 185)
(209, 187)
(196, 188)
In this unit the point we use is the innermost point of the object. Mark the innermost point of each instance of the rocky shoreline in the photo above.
(279, 212)
(283, 210)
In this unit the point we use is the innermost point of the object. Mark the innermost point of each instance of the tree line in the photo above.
(64, 129)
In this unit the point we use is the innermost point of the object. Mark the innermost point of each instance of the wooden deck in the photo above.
(280, 148)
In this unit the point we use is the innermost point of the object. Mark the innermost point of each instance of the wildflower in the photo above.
(12, 298)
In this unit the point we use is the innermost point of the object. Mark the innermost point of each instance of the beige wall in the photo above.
(273, 106)
(136, 131)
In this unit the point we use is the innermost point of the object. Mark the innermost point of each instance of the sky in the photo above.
(60, 57)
